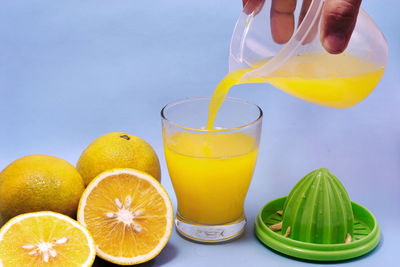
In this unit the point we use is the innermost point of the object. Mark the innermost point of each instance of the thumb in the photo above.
(338, 22)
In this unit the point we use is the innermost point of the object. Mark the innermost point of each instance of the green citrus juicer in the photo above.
(317, 221)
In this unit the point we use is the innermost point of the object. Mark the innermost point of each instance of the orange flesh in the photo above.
(115, 238)
(35, 230)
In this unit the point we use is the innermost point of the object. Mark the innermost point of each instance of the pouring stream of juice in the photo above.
(220, 171)
(338, 81)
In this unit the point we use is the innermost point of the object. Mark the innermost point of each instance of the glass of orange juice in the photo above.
(211, 169)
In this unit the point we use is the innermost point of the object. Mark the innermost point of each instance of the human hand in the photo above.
(337, 22)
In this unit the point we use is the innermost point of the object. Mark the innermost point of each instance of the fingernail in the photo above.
(335, 43)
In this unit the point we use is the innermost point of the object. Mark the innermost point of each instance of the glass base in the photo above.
(210, 233)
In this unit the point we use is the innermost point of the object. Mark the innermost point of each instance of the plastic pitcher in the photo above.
(300, 65)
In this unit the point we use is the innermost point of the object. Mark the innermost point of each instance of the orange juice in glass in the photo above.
(211, 169)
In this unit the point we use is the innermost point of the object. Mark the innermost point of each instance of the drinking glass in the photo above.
(211, 169)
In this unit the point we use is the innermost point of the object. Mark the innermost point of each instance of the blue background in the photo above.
(71, 71)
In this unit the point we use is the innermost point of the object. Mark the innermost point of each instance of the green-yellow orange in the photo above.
(39, 183)
(117, 150)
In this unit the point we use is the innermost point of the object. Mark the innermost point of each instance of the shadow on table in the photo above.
(166, 255)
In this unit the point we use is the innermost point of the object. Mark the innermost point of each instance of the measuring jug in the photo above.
(297, 63)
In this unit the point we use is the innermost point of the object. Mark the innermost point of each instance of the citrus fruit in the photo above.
(129, 215)
(37, 183)
(45, 239)
(118, 150)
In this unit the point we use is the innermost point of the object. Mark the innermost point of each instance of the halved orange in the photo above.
(129, 215)
(45, 239)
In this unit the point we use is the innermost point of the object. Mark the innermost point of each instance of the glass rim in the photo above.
(228, 98)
